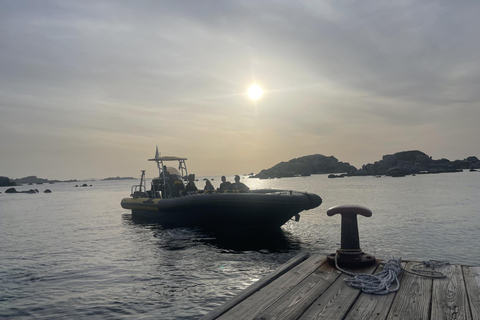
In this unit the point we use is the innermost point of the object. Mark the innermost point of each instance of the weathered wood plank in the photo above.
(371, 306)
(294, 303)
(337, 300)
(257, 286)
(412, 300)
(312, 289)
(261, 300)
(449, 300)
(472, 283)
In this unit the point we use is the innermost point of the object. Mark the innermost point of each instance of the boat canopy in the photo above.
(174, 171)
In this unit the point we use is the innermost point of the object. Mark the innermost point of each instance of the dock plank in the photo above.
(294, 303)
(412, 300)
(449, 295)
(290, 264)
(373, 307)
(251, 307)
(472, 283)
(312, 289)
(337, 300)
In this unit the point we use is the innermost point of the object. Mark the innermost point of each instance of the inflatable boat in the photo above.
(168, 204)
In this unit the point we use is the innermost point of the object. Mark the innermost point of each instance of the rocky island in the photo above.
(397, 165)
(307, 165)
(118, 178)
(414, 162)
(6, 182)
(35, 180)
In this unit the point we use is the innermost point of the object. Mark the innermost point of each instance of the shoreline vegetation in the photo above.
(395, 165)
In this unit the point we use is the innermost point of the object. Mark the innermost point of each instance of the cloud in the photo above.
(111, 76)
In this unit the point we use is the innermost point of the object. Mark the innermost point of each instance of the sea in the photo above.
(76, 254)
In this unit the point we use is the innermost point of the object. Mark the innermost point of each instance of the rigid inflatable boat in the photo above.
(169, 204)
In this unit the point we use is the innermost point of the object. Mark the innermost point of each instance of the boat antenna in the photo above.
(159, 164)
(143, 183)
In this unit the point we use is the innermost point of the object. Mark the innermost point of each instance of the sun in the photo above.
(254, 92)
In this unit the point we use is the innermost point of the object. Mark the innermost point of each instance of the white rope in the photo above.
(419, 270)
(381, 283)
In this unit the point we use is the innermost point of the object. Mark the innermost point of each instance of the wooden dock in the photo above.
(307, 287)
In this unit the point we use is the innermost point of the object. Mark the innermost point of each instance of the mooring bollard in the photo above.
(350, 254)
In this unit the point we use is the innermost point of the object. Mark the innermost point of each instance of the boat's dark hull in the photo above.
(259, 208)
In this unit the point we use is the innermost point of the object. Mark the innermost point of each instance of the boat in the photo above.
(167, 202)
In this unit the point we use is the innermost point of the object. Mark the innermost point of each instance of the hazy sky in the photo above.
(89, 88)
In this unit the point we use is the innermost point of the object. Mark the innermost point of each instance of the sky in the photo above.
(88, 89)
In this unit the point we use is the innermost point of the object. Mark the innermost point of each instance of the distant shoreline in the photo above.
(118, 178)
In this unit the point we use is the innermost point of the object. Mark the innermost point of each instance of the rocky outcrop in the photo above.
(332, 176)
(83, 185)
(13, 190)
(34, 180)
(31, 180)
(304, 166)
(467, 163)
(6, 182)
(119, 178)
(413, 162)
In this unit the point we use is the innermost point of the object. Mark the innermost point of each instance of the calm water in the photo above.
(75, 253)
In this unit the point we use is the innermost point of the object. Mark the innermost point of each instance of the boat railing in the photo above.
(138, 191)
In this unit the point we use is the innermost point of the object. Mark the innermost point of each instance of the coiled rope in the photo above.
(419, 269)
(381, 283)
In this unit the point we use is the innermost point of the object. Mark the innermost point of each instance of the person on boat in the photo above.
(170, 189)
(178, 186)
(167, 173)
(208, 186)
(191, 183)
(225, 184)
(238, 186)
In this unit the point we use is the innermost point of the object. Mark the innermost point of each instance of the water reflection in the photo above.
(231, 240)
(268, 242)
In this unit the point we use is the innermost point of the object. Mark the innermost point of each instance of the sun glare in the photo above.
(254, 92)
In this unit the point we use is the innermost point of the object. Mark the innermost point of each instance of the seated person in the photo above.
(238, 186)
(191, 183)
(178, 186)
(208, 186)
(157, 187)
(224, 185)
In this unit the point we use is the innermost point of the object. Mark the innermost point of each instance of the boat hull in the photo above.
(258, 208)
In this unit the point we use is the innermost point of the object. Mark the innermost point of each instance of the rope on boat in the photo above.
(381, 283)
